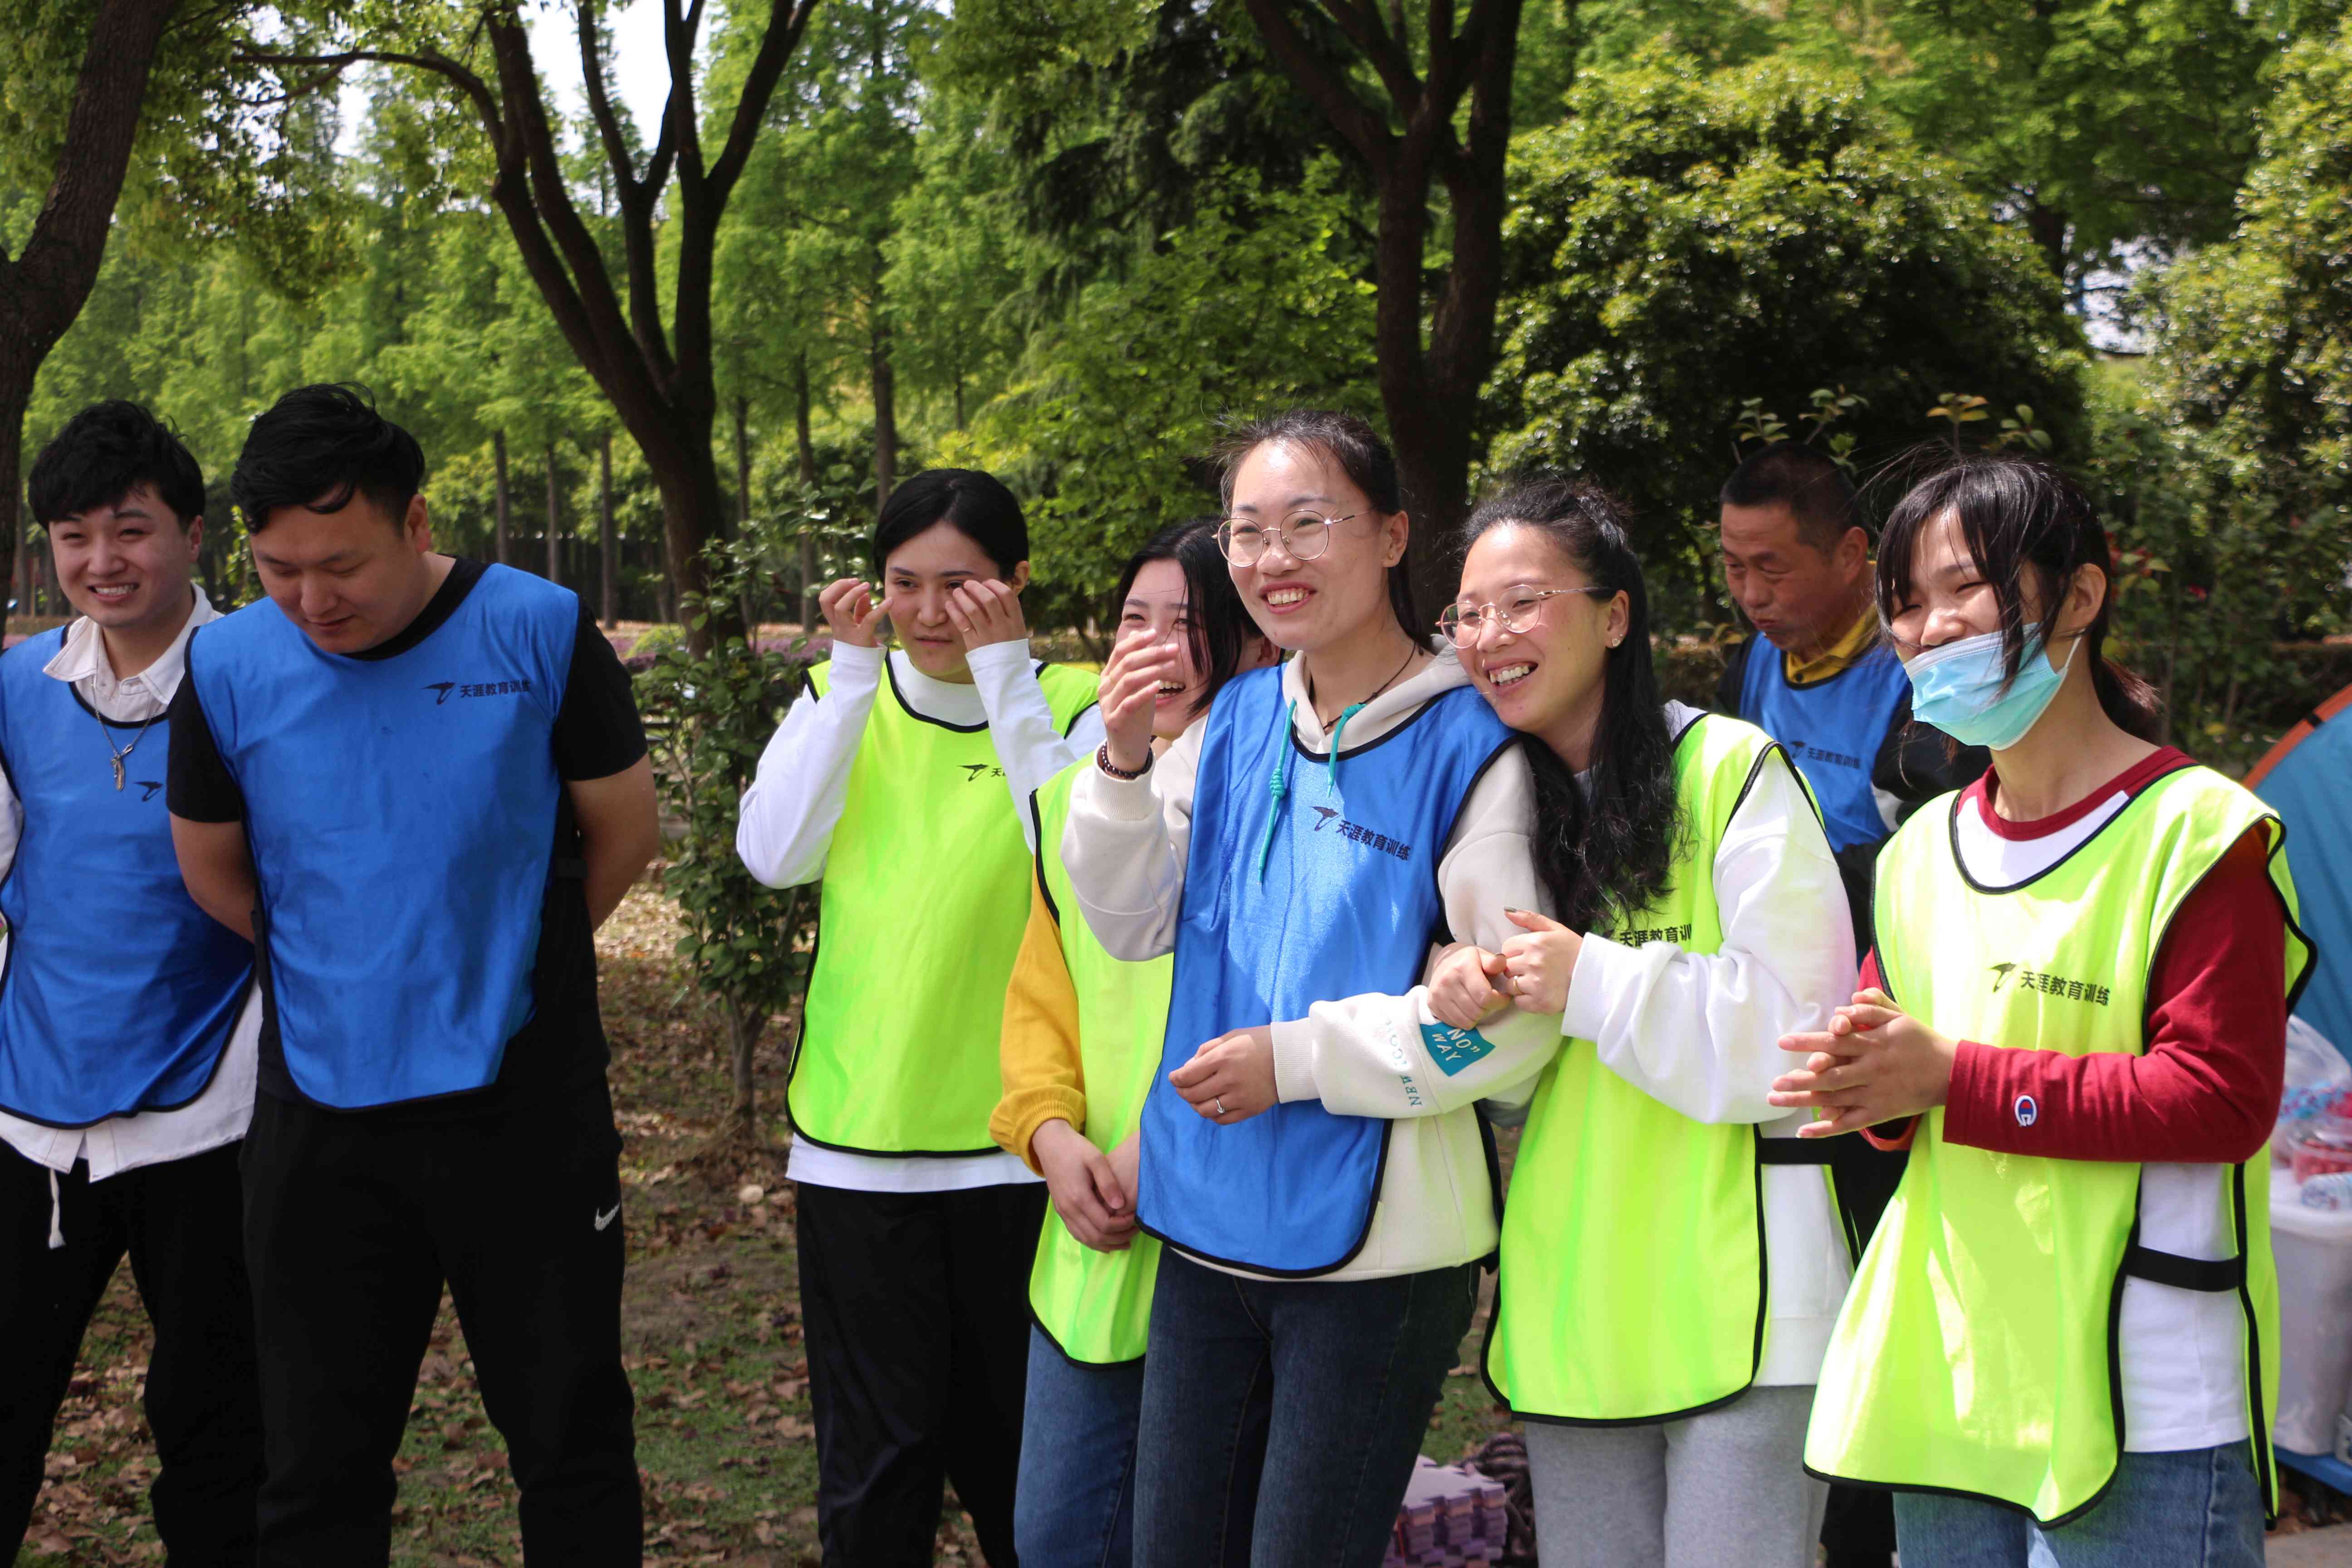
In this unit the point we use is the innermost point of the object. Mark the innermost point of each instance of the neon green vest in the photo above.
(1097, 1306)
(1976, 1351)
(918, 918)
(1633, 1285)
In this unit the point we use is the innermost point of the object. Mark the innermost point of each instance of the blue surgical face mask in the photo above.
(1957, 687)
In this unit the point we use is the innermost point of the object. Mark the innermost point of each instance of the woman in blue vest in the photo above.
(895, 771)
(1300, 854)
(2061, 1346)
(1671, 1262)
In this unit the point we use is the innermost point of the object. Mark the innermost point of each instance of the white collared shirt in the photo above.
(219, 1115)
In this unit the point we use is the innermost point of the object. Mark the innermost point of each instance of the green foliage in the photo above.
(1256, 304)
(1688, 246)
(2255, 335)
(708, 717)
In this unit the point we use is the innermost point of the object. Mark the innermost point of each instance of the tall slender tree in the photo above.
(651, 357)
(1439, 120)
(44, 285)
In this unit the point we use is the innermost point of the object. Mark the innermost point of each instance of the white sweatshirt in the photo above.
(1699, 1033)
(784, 831)
(1124, 847)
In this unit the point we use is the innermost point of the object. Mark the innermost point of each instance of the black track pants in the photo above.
(353, 1223)
(178, 1222)
(917, 1311)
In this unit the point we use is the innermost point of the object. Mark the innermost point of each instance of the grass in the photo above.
(711, 1320)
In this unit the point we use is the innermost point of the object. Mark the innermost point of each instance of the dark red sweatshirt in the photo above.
(2206, 1091)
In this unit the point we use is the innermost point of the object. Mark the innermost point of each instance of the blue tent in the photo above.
(2307, 778)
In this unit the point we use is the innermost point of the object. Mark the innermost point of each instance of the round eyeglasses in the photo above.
(1304, 535)
(1517, 613)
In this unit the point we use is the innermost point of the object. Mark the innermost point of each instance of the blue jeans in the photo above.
(2198, 1508)
(1074, 1504)
(1285, 1415)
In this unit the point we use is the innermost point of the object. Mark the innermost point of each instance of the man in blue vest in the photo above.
(1817, 677)
(422, 783)
(128, 1018)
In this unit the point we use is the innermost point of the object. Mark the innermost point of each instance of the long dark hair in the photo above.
(1217, 624)
(1604, 856)
(1362, 455)
(2022, 519)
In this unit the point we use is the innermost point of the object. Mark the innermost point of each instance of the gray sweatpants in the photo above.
(1726, 1486)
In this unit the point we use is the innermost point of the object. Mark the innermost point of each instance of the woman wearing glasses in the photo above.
(1300, 853)
(1670, 1266)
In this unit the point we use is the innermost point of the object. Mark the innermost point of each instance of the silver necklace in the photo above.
(113, 755)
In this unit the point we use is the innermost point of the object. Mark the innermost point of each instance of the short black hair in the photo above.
(105, 452)
(1807, 482)
(1362, 455)
(320, 445)
(975, 504)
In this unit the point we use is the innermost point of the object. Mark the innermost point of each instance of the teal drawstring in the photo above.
(1279, 784)
(1332, 761)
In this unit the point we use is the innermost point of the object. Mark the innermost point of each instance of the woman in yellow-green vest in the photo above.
(2061, 1345)
(900, 781)
(1082, 1034)
(1671, 1258)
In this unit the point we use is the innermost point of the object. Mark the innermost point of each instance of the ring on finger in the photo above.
(1220, 1102)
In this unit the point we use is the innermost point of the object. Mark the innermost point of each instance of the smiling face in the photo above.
(1159, 605)
(128, 566)
(916, 581)
(1302, 606)
(1546, 680)
(350, 578)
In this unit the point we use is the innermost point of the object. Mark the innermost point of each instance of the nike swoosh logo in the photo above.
(607, 1217)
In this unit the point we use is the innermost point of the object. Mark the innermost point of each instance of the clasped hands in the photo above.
(1874, 1063)
(1231, 1078)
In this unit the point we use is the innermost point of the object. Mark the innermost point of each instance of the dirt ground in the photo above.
(712, 1333)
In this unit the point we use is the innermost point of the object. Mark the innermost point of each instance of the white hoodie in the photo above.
(1698, 1033)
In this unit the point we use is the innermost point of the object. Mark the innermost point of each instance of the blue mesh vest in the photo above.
(1326, 889)
(402, 814)
(120, 993)
(1832, 729)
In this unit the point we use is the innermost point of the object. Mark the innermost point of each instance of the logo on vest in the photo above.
(2049, 985)
(1357, 833)
(974, 772)
(148, 789)
(444, 690)
(1823, 754)
(2027, 1111)
(1640, 934)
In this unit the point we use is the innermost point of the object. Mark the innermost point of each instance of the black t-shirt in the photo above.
(597, 734)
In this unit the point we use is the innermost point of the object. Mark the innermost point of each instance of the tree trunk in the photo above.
(958, 397)
(743, 506)
(2048, 227)
(12, 454)
(886, 406)
(807, 451)
(498, 458)
(554, 520)
(44, 285)
(607, 541)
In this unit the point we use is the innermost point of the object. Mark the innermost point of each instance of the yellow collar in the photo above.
(1859, 640)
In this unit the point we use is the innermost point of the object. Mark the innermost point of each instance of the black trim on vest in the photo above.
(1037, 855)
(464, 573)
(1382, 739)
(2258, 1420)
(140, 725)
(890, 676)
(1039, 1324)
(1756, 1353)
(1793, 1151)
(1952, 833)
(1379, 1176)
